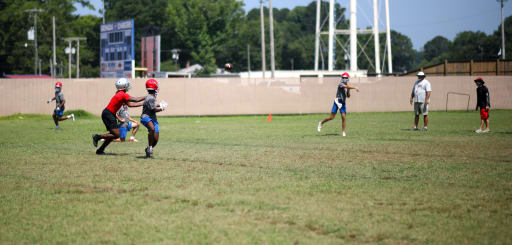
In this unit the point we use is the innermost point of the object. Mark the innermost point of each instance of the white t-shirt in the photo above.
(420, 90)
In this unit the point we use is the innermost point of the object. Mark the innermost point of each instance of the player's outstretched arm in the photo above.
(136, 99)
(351, 87)
(50, 100)
(132, 104)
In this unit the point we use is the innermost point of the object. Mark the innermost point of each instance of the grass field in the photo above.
(243, 180)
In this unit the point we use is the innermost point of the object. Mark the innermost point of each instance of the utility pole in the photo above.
(36, 58)
(70, 40)
(54, 66)
(103, 11)
(262, 39)
(502, 30)
(272, 60)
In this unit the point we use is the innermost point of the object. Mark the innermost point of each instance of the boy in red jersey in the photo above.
(109, 114)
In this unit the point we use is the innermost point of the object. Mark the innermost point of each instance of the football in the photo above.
(228, 66)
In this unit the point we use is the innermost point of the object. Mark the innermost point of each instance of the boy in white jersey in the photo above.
(148, 117)
(125, 124)
(59, 106)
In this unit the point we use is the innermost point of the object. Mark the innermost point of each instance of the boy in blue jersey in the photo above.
(340, 103)
(148, 117)
(59, 106)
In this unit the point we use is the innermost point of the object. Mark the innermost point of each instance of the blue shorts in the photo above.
(146, 120)
(124, 130)
(59, 113)
(343, 109)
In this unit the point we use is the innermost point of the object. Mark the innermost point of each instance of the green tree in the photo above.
(17, 53)
(435, 47)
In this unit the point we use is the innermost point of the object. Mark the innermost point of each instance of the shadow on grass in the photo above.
(329, 135)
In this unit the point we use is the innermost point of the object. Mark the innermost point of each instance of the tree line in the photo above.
(212, 33)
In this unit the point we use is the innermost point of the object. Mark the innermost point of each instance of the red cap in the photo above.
(58, 85)
(151, 84)
(345, 75)
(479, 79)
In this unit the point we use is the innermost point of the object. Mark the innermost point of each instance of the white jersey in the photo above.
(420, 89)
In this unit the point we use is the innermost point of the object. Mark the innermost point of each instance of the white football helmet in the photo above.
(123, 84)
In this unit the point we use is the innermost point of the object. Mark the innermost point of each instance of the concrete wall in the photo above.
(225, 96)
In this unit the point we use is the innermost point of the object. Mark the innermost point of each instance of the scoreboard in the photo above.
(117, 49)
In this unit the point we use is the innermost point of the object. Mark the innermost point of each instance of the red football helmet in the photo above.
(228, 67)
(345, 75)
(58, 85)
(152, 84)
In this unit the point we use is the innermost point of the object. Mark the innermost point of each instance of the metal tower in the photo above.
(352, 32)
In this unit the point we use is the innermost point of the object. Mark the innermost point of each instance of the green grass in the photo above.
(243, 180)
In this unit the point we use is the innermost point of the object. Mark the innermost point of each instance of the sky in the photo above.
(420, 20)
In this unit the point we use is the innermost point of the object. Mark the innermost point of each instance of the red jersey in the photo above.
(117, 101)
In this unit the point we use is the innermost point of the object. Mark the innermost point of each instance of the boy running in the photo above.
(148, 117)
(125, 124)
(108, 114)
(59, 106)
(339, 103)
(483, 101)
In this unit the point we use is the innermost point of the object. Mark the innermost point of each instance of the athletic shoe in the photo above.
(424, 129)
(414, 129)
(73, 117)
(95, 139)
(486, 131)
(133, 140)
(99, 152)
(478, 131)
(344, 134)
(57, 128)
(149, 153)
(319, 128)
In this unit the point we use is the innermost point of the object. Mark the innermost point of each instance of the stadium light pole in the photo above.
(271, 20)
(262, 17)
(502, 29)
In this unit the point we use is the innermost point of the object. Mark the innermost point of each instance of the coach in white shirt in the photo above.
(421, 97)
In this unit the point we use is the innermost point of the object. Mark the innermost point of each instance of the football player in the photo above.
(59, 106)
(340, 103)
(109, 114)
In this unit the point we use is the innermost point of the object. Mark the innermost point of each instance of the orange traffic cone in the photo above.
(269, 119)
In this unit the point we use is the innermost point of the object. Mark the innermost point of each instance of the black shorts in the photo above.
(109, 119)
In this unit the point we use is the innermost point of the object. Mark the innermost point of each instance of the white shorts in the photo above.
(420, 108)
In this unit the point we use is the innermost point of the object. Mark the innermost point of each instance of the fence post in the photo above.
(445, 66)
(497, 67)
(471, 68)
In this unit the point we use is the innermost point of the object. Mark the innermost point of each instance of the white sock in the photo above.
(69, 116)
(131, 137)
